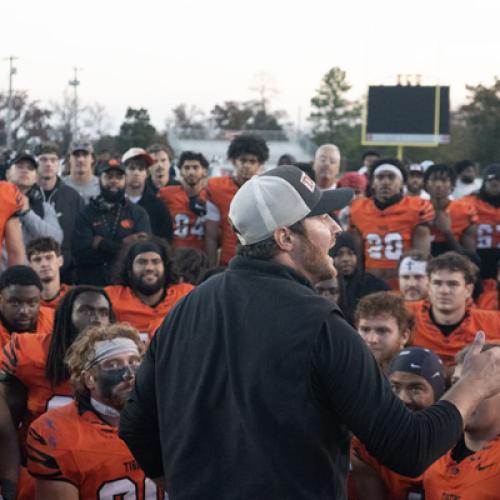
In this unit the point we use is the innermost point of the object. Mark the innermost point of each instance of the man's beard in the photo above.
(113, 196)
(136, 283)
(317, 264)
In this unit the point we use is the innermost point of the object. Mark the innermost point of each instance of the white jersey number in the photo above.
(485, 234)
(127, 489)
(389, 247)
(183, 229)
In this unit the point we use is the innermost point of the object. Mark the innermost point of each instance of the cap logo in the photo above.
(113, 163)
(307, 182)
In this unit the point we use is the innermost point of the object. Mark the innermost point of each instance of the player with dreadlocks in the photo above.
(33, 377)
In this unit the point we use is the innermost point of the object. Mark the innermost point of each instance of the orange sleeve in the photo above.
(426, 212)
(47, 455)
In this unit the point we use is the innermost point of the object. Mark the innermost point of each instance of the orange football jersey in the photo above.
(488, 300)
(129, 308)
(476, 477)
(427, 334)
(462, 214)
(189, 228)
(44, 324)
(488, 229)
(397, 487)
(74, 444)
(25, 357)
(11, 203)
(387, 233)
(220, 191)
(53, 303)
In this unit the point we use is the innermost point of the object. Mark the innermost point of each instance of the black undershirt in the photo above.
(461, 452)
(446, 330)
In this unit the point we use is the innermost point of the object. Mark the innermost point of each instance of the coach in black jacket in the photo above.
(104, 225)
(250, 387)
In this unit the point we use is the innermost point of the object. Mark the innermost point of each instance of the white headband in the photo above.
(387, 167)
(411, 266)
(105, 349)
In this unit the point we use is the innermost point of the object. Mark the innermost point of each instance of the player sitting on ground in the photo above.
(74, 450)
(417, 378)
(471, 470)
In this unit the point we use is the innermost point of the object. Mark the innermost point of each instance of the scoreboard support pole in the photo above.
(399, 153)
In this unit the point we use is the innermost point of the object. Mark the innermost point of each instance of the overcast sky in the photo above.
(157, 54)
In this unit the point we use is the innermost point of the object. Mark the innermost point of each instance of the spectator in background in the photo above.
(417, 378)
(161, 172)
(248, 153)
(45, 258)
(136, 162)
(286, 159)
(81, 171)
(326, 166)
(190, 265)
(455, 222)
(487, 205)
(357, 283)
(389, 223)
(65, 200)
(20, 310)
(413, 279)
(470, 470)
(367, 160)
(447, 322)
(357, 182)
(384, 324)
(146, 287)
(187, 201)
(38, 218)
(105, 225)
(415, 181)
(467, 183)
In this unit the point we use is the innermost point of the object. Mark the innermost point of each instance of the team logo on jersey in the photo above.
(127, 224)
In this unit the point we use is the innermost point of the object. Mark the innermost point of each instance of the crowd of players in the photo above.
(95, 254)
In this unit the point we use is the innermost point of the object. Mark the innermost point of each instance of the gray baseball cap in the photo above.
(278, 198)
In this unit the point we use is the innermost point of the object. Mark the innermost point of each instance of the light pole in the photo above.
(8, 124)
(74, 83)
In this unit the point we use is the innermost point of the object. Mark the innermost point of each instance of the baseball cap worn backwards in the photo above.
(278, 198)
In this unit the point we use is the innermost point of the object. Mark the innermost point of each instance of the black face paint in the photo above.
(109, 379)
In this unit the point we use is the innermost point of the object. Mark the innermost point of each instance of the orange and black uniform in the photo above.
(387, 232)
(475, 477)
(54, 301)
(397, 486)
(44, 324)
(220, 192)
(74, 444)
(428, 334)
(11, 203)
(488, 300)
(25, 358)
(129, 308)
(189, 228)
(462, 214)
(488, 235)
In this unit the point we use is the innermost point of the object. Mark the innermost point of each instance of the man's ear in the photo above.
(60, 260)
(469, 287)
(284, 239)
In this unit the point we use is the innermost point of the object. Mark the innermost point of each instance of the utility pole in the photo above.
(8, 124)
(74, 83)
